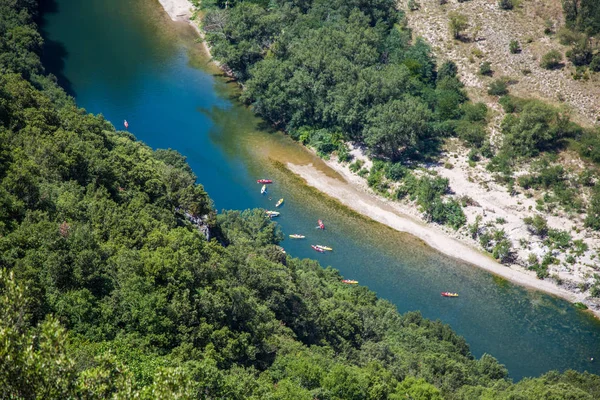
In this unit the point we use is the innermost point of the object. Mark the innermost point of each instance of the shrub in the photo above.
(472, 133)
(502, 250)
(595, 64)
(474, 112)
(498, 87)
(473, 155)
(532, 259)
(356, 165)
(580, 54)
(505, 4)
(343, 154)
(486, 68)
(512, 104)
(568, 37)
(447, 70)
(537, 225)
(559, 238)
(413, 5)
(514, 47)
(592, 219)
(552, 59)
(458, 23)
(539, 127)
(395, 171)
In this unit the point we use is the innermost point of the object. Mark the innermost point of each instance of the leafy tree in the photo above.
(458, 23)
(397, 126)
(448, 70)
(537, 128)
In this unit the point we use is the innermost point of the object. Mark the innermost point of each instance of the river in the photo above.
(127, 60)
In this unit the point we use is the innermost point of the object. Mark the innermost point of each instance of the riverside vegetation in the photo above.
(335, 73)
(108, 289)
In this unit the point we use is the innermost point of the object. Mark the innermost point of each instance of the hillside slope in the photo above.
(487, 38)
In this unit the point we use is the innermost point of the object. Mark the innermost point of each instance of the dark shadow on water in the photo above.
(54, 53)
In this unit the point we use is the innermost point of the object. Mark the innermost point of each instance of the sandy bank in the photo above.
(392, 215)
(178, 10)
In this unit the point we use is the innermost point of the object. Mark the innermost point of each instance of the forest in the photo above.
(109, 287)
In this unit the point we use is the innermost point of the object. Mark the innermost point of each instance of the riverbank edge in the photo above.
(351, 194)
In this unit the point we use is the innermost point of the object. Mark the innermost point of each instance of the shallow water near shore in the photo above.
(127, 60)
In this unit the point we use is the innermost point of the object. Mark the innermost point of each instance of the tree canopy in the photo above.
(314, 66)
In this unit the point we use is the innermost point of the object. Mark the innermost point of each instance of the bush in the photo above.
(581, 53)
(552, 59)
(343, 154)
(356, 166)
(413, 5)
(486, 69)
(539, 127)
(505, 4)
(395, 171)
(558, 238)
(498, 87)
(592, 219)
(474, 112)
(458, 23)
(514, 47)
(472, 133)
(512, 104)
(568, 37)
(447, 70)
(588, 145)
(502, 250)
(595, 64)
(537, 225)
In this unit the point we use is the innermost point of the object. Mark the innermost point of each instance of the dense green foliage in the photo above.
(582, 15)
(323, 70)
(108, 289)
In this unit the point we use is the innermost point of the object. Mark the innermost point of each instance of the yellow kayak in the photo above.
(327, 248)
(280, 202)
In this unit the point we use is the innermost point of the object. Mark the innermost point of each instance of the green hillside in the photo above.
(110, 289)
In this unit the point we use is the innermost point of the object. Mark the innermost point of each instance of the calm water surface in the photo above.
(127, 60)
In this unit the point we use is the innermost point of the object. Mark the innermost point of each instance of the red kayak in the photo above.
(321, 226)
(317, 248)
(264, 181)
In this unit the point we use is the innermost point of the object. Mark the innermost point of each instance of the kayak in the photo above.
(263, 190)
(449, 294)
(297, 236)
(350, 281)
(321, 226)
(272, 214)
(265, 181)
(280, 202)
(317, 249)
(326, 248)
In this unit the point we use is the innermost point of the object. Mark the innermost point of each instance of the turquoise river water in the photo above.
(127, 60)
